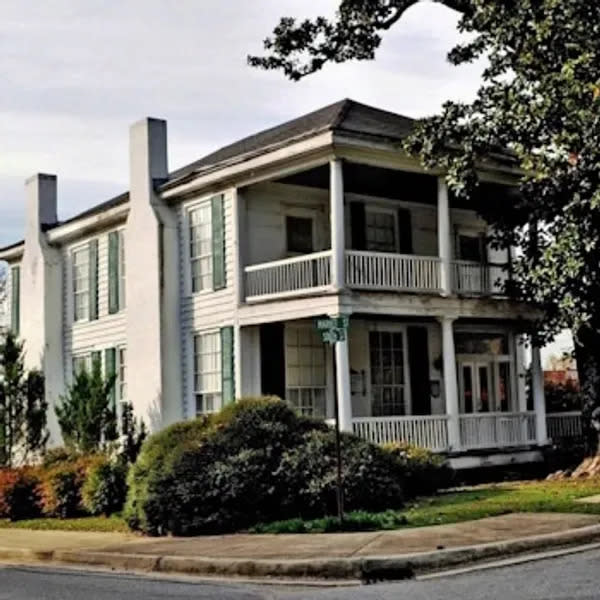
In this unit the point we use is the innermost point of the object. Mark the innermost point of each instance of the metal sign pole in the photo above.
(338, 446)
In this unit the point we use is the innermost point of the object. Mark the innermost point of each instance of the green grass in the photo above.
(477, 503)
(103, 524)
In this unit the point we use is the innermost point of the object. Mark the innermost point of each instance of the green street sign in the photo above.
(333, 329)
(331, 336)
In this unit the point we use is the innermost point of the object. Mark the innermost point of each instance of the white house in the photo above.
(203, 285)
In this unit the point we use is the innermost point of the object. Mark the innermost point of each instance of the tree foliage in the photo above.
(85, 415)
(22, 405)
(537, 110)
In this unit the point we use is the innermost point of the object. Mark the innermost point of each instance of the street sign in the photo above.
(331, 336)
(333, 329)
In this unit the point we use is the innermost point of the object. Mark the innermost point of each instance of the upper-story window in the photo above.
(299, 234)
(381, 230)
(81, 284)
(471, 247)
(201, 247)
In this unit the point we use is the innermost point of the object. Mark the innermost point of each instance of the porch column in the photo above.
(450, 382)
(444, 238)
(342, 376)
(539, 399)
(338, 243)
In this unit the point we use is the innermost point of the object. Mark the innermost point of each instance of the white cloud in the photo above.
(77, 74)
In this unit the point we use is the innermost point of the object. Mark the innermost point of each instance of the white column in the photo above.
(237, 361)
(539, 400)
(450, 382)
(342, 371)
(338, 243)
(444, 237)
(239, 238)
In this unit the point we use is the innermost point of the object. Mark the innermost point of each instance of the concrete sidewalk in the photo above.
(338, 555)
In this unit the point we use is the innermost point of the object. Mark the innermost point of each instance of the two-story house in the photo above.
(203, 285)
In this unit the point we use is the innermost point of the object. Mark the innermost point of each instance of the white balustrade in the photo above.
(429, 431)
(392, 272)
(288, 277)
(497, 430)
(474, 278)
(564, 425)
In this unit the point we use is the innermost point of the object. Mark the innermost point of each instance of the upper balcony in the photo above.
(304, 240)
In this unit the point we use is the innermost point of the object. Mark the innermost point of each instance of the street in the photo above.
(573, 577)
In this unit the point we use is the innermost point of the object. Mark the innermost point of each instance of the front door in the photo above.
(475, 384)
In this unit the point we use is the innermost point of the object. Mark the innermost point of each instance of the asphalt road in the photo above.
(573, 577)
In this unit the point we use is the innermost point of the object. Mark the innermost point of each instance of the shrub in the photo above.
(104, 489)
(255, 461)
(19, 497)
(424, 471)
(60, 487)
(58, 455)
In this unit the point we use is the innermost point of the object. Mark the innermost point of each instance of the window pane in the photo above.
(207, 372)
(200, 232)
(299, 234)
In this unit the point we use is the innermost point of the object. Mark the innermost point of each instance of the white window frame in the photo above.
(121, 372)
(309, 409)
(199, 391)
(86, 358)
(84, 291)
(299, 212)
(391, 328)
(205, 203)
(377, 209)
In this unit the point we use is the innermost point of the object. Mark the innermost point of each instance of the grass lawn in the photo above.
(105, 524)
(454, 507)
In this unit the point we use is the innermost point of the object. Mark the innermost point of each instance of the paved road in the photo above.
(574, 577)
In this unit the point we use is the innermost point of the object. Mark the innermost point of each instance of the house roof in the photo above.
(345, 116)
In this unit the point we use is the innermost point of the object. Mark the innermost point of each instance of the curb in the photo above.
(367, 569)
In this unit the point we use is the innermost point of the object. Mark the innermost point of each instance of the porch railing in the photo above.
(392, 272)
(564, 425)
(474, 278)
(288, 277)
(497, 430)
(430, 431)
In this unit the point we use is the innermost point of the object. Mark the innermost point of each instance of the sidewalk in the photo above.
(339, 555)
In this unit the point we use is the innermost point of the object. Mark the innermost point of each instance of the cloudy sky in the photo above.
(76, 74)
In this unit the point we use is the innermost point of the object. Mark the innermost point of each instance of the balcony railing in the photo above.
(392, 272)
(288, 277)
(429, 431)
(474, 278)
(564, 426)
(497, 430)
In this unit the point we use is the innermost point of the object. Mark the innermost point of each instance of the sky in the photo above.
(75, 75)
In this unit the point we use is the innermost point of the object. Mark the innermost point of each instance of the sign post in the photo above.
(334, 330)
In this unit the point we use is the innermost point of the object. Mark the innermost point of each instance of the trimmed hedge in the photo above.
(256, 461)
(19, 494)
(105, 488)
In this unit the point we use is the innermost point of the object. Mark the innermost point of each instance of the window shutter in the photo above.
(418, 364)
(15, 296)
(110, 370)
(93, 282)
(405, 231)
(113, 272)
(358, 226)
(227, 367)
(218, 243)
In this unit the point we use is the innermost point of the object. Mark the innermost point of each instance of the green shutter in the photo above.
(113, 272)
(218, 243)
(15, 308)
(110, 370)
(93, 275)
(227, 368)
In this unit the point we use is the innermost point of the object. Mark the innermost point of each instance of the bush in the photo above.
(60, 487)
(424, 471)
(58, 455)
(104, 490)
(253, 462)
(19, 497)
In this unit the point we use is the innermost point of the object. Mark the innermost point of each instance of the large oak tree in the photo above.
(539, 101)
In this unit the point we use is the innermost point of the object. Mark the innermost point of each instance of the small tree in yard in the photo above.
(22, 406)
(85, 415)
(133, 434)
(537, 109)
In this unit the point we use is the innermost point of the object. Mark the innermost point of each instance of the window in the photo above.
(201, 258)
(121, 269)
(81, 284)
(306, 380)
(207, 372)
(381, 233)
(470, 247)
(388, 385)
(121, 375)
(81, 363)
(299, 233)
(475, 342)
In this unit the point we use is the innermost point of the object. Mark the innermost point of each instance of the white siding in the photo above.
(207, 309)
(108, 330)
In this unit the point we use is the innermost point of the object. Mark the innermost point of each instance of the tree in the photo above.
(133, 434)
(537, 111)
(22, 406)
(85, 415)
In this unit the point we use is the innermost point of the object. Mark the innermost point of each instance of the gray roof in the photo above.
(345, 116)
